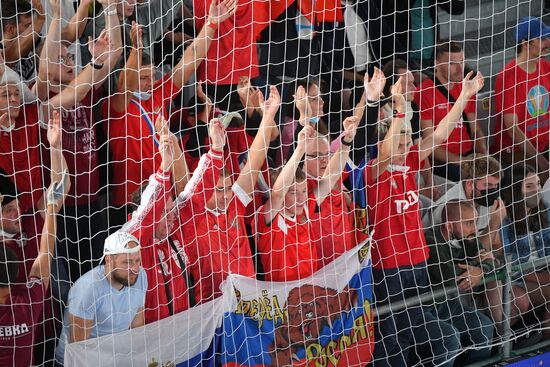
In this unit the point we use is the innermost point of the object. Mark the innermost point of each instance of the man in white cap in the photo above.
(109, 298)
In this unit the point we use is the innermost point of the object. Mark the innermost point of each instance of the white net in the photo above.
(274, 182)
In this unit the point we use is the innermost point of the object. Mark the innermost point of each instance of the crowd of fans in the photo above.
(181, 142)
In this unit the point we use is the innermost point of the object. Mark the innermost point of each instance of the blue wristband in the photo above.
(314, 120)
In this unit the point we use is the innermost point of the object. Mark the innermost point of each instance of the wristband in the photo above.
(314, 120)
(398, 114)
(212, 26)
(112, 12)
(372, 103)
(95, 64)
(346, 143)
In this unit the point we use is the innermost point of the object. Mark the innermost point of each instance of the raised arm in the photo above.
(287, 176)
(205, 177)
(128, 80)
(50, 53)
(77, 24)
(55, 197)
(390, 144)
(154, 197)
(115, 49)
(196, 52)
(336, 165)
(258, 149)
(470, 86)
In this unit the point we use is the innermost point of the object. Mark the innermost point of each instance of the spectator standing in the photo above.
(522, 100)
(435, 98)
(21, 304)
(400, 252)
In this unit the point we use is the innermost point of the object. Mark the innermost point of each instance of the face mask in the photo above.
(463, 242)
(532, 199)
(143, 96)
(487, 197)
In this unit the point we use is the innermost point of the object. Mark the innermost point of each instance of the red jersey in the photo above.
(434, 106)
(133, 142)
(233, 52)
(158, 258)
(526, 96)
(18, 316)
(286, 248)
(394, 215)
(217, 243)
(79, 146)
(332, 227)
(20, 157)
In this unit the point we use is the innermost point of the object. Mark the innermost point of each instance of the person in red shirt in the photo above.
(21, 304)
(399, 251)
(20, 133)
(82, 210)
(286, 240)
(153, 223)
(435, 98)
(213, 226)
(138, 102)
(521, 99)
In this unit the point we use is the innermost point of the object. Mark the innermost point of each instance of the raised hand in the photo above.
(272, 104)
(243, 89)
(56, 9)
(374, 86)
(101, 48)
(397, 95)
(217, 134)
(204, 99)
(472, 84)
(166, 145)
(350, 128)
(301, 102)
(37, 5)
(136, 35)
(221, 11)
(307, 133)
(54, 130)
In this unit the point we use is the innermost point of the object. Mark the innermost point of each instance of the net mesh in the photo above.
(248, 148)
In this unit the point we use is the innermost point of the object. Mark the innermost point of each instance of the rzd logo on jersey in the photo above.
(411, 198)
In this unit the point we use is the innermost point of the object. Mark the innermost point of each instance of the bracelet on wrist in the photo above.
(398, 114)
(372, 103)
(211, 25)
(346, 143)
(96, 65)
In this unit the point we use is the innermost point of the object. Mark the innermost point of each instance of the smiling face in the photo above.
(124, 268)
(64, 69)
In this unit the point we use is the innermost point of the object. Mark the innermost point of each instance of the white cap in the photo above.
(117, 243)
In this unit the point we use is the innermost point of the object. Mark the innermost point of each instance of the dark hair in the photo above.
(514, 200)
(300, 175)
(146, 59)
(390, 70)
(9, 266)
(12, 10)
(448, 47)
